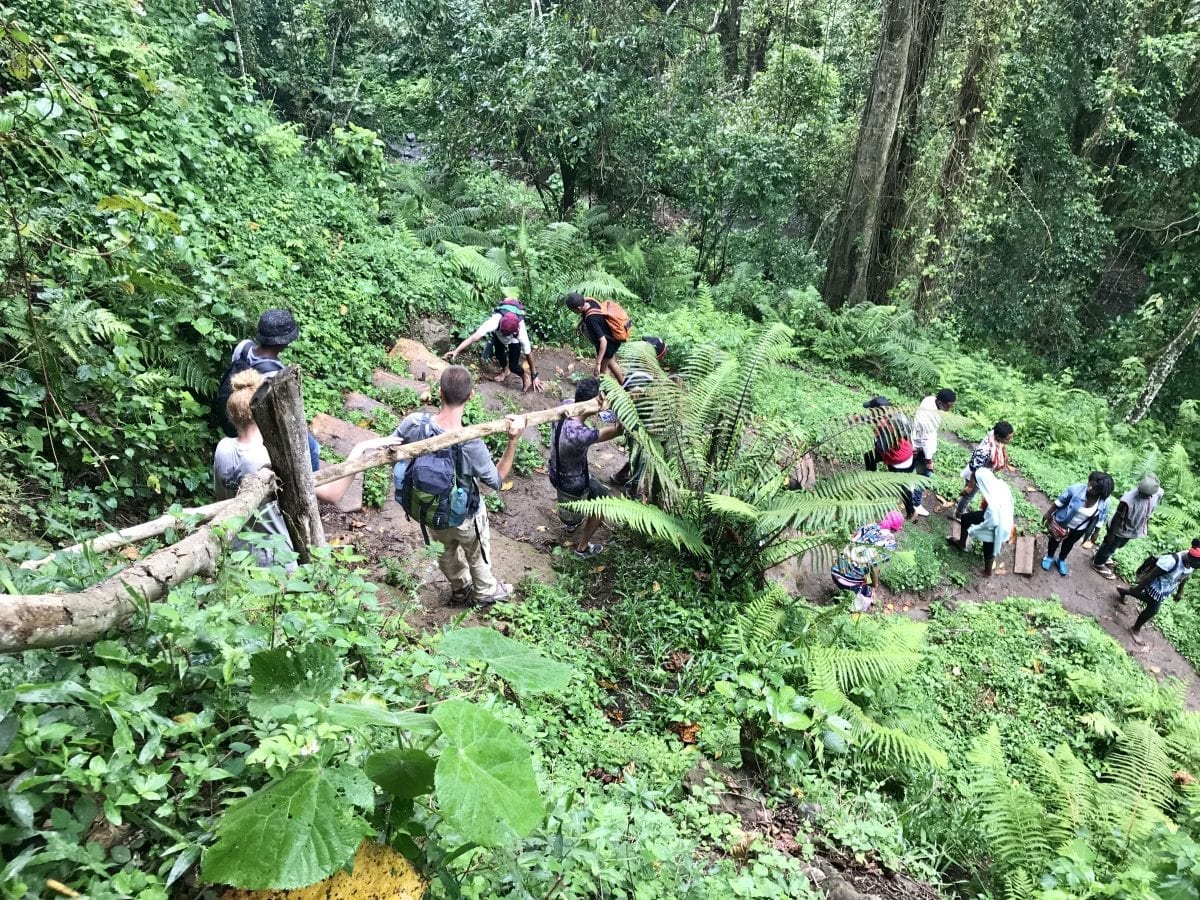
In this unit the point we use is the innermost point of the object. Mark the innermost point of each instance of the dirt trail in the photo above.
(1083, 591)
(524, 533)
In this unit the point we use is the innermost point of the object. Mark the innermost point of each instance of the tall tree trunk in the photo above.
(856, 237)
(756, 53)
(1163, 368)
(729, 34)
(894, 249)
(969, 110)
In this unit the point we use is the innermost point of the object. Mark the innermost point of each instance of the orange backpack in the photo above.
(618, 320)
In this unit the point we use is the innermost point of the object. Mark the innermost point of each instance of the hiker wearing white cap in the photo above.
(510, 341)
(1130, 521)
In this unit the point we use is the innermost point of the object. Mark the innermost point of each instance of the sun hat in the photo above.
(893, 521)
(510, 323)
(276, 328)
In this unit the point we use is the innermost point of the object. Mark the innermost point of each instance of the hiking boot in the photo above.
(921, 510)
(461, 596)
(1047, 562)
(589, 551)
(1062, 567)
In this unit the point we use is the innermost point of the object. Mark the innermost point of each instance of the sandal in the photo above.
(502, 593)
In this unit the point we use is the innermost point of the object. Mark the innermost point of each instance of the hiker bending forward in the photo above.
(991, 453)
(1158, 580)
(441, 490)
(606, 326)
(569, 472)
(510, 340)
(993, 525)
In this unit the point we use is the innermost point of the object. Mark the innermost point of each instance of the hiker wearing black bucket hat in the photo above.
(277, 329)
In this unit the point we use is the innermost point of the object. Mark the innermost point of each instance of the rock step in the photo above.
(1025, 554)
(423, 363)
(341, 437)
(385, 380)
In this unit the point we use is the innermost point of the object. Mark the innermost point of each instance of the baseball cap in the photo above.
(510, 323)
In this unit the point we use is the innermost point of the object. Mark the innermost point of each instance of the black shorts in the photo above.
(611, 348)
(594, 491)
(508, 354)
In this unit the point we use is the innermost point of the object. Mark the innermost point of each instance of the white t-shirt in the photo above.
(1082, 515)
(232, 462)
(522, 336)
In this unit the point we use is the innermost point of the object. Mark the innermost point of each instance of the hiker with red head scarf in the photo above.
(510, 340)
(857, 566)
(1159, 579)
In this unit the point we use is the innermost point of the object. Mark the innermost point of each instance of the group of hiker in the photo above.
(439, 489)
(909, 445)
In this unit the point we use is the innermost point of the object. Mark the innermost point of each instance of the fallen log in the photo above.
(136, 533)
(30, 621)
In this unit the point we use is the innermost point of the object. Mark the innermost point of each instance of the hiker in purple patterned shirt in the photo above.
(569, 444)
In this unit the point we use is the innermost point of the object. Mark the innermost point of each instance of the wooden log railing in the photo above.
(29, 621)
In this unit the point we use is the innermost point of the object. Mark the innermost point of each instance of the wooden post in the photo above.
(278, 408)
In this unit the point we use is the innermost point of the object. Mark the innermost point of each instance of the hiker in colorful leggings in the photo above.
(1158, 582)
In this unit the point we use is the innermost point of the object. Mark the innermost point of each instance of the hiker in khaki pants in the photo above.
(466, 553)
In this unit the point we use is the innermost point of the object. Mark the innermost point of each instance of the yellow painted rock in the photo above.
(380, 873)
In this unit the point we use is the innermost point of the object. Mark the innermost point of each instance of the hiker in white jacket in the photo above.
(926, 423)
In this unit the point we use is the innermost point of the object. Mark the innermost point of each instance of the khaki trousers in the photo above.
(463, 557)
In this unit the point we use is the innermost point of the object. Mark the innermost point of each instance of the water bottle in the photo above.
(458, 504)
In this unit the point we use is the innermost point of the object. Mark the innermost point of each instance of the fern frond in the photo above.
(1137, 781)
(647, 520)
(853, 669)
(782, 551)
(602, 285)
(481, 269)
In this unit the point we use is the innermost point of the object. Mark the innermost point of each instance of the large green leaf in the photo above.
(406, 774)
(486, 787)
(282, 677)
(526, 670)
(290, 834)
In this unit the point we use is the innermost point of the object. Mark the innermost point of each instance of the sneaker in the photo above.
(921, 511)
(1062, 567)
(589, 551)
(1106, 571)
(462, 596)
(1122, 596)
(501, 593)
(1047, 562)
(1137, 638)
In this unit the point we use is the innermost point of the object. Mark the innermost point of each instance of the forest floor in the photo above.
(526, 532)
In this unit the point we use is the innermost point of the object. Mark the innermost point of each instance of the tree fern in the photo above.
(647, 520)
